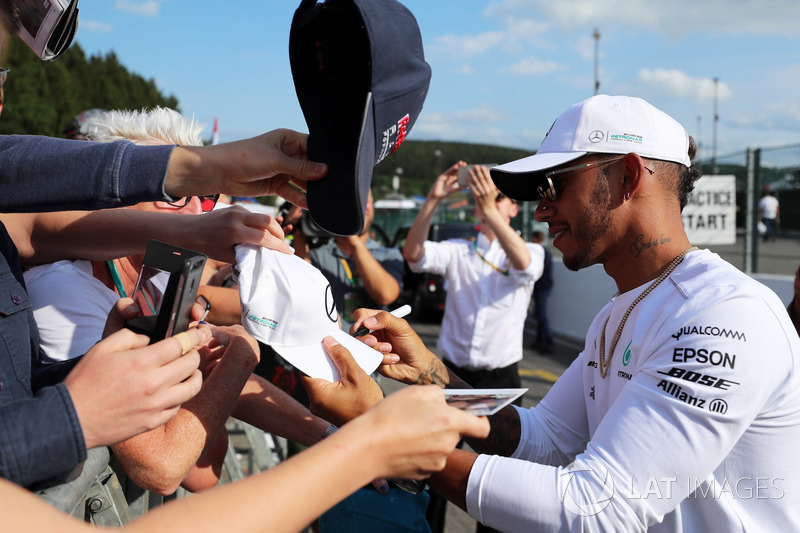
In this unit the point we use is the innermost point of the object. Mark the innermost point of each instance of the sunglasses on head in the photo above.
(207, 203)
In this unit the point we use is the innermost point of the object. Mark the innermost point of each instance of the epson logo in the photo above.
(701, 355)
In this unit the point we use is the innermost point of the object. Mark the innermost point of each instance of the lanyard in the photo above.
(350, 278)
(112, 269)
(508, 261)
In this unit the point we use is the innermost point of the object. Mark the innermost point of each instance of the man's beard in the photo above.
(593, 224)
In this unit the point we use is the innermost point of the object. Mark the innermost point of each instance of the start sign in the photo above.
(710, 214)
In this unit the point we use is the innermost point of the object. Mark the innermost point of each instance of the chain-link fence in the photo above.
(757, 170)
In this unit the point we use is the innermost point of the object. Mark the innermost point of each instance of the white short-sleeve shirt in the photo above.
(485, 309)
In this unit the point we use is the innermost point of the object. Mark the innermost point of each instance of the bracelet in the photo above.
(330, 430)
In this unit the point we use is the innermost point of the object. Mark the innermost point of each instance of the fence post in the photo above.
(751, 218)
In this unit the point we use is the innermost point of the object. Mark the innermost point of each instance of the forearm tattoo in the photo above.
(505, 431)
(435, 374)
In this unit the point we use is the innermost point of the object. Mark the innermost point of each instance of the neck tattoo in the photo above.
(606, 363)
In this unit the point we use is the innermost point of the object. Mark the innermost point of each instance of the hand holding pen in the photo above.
(400, 312)
(413, 486)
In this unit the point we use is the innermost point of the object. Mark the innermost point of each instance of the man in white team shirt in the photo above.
(769, 209)
(682, 413)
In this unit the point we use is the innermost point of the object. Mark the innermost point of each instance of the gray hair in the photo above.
(160, 125)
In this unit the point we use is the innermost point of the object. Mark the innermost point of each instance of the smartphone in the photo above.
(166, 290)
(463, 172)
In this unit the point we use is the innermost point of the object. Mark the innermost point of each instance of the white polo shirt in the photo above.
(487, 300)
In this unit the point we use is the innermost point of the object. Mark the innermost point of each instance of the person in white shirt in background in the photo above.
(490, 281)
(770, 211)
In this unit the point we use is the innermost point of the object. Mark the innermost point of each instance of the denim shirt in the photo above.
(40, 435)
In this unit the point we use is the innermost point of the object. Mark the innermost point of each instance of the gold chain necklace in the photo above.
(606, 363)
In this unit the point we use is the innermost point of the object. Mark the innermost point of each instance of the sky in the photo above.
(502, 70)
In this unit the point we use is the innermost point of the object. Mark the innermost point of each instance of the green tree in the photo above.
(42, 98)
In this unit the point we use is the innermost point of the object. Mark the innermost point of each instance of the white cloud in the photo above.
(529, 31)
(470, 125)
(535, 67)
(94, 26)
(671, 19)
(460, 47)
(783, 115)
(148, 9)
(679, 84)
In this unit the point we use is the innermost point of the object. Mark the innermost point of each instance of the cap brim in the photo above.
(520, 179)
(312, 360)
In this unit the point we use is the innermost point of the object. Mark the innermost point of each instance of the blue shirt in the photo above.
(40, 435)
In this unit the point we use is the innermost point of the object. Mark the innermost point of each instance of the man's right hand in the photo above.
(123, 387)
(447, 183)
(274, 163)
(406, 358)
(413, 431)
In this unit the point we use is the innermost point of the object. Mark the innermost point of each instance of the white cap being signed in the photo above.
(288, 304)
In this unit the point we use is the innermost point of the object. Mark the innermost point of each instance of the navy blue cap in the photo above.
(361, 79)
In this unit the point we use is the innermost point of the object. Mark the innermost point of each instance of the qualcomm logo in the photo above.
(586, 487)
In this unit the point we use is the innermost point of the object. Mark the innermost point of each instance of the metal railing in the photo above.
(98, 491)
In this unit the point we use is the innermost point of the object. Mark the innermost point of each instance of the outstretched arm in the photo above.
(379, 284)
(111, 233)
(485, 193)
(265, 406)
(408, 360)
(160, 459)
(445, 185)
(270, 164)
(408, 435)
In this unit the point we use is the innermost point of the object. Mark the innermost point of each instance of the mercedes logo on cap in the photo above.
(596, 136)
(330, 304)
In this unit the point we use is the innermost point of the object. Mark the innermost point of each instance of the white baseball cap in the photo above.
(600, 124)
(288, 304)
